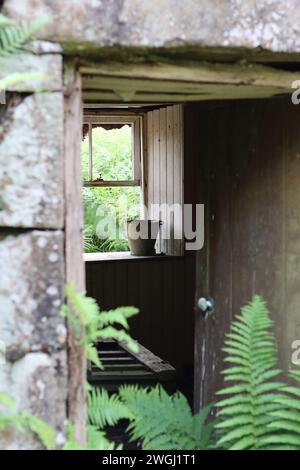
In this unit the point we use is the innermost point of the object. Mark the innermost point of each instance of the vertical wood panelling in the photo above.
(170, 175)
(178, 179)
(156, 175)
(149, 163)
(165, 174)
(249, 181)
(158, 289)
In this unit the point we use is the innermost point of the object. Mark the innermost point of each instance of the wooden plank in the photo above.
(170, 176)
(178, 180)
(121, 277)
(121, 375)
(237, 74)
(122, 367)
(226, 92)
(115, 353)
(150, 166)
(134, 291)
(290, 317)
(147, 358)
(144, 165)
(74, 244)
(163, 173)
(137, 149)
(137, 86)
(202, 353)
(117, 359)
(270, 193)
(156, 170)
(110, 291)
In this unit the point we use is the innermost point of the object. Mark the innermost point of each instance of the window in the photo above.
(112, 179)
(119, 183)
(97, 169)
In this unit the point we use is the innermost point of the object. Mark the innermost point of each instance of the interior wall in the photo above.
(163, 176)
(162, 288)
(248, 170)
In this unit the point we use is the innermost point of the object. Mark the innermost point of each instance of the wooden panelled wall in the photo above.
(164, 174)
(248, 168)
(242, 161)
(162, 288)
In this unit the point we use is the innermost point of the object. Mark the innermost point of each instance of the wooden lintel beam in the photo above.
(234, 74)
(220, 94)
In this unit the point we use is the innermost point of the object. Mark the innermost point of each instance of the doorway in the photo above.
(208, 132)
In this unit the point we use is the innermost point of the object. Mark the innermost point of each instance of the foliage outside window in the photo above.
(113, 166)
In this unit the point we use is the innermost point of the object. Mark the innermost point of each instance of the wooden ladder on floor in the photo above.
(122, 366)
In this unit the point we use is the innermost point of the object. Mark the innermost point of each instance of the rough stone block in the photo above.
(47, 67)
(227, 24)
(31, 162)
(38, 384)
(31, 293)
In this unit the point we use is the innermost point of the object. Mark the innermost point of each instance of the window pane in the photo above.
(112, 153)
(105, 210)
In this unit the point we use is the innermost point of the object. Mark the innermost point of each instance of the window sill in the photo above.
(121, 256)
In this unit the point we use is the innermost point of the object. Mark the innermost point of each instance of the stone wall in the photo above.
(34, 187)
(88, 25)
(32, 274)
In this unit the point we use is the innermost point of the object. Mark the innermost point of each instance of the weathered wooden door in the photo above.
(248, 177)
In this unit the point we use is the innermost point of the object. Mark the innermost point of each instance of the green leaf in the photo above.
(43, 431)
(92, 355)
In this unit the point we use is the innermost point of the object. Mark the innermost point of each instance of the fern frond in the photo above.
(22, 421)
(285, 421)
(118, 315)
(96, 440)
(13, 36)
(5, 21)
(246, 411)
(89, 325)
(105, 410)
(164, 422)
(42, 430)
(118, 335)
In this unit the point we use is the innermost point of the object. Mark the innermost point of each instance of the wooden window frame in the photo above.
(136, 123)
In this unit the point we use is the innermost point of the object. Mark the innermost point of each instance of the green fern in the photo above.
(96, 440)
(246, 413)
(285, 422)
(258, 412)
(13, 38)
(88, 324)
(23, 421)
(42, 430)
(165, 422)
(105, 410)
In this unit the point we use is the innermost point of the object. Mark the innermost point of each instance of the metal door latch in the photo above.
(206, 306)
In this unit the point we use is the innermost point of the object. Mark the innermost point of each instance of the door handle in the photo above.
(206, 306)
